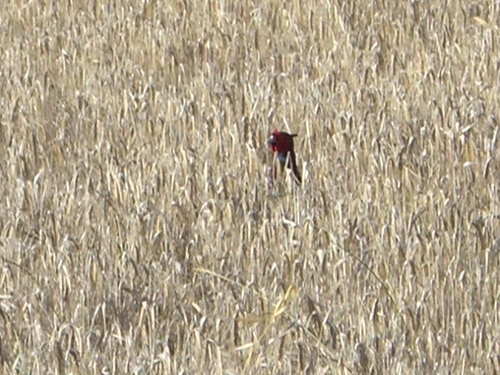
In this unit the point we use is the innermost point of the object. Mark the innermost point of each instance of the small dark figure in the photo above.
(281, 143)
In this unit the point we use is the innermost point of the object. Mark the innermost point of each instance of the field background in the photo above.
(139, 235)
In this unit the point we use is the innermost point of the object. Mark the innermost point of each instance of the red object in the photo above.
(281, 143)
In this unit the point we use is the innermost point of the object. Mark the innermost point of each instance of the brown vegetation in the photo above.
(137, 231)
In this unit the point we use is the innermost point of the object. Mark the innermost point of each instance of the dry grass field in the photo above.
(138, 231)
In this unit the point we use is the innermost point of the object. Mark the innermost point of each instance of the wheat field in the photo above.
(139, 233)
